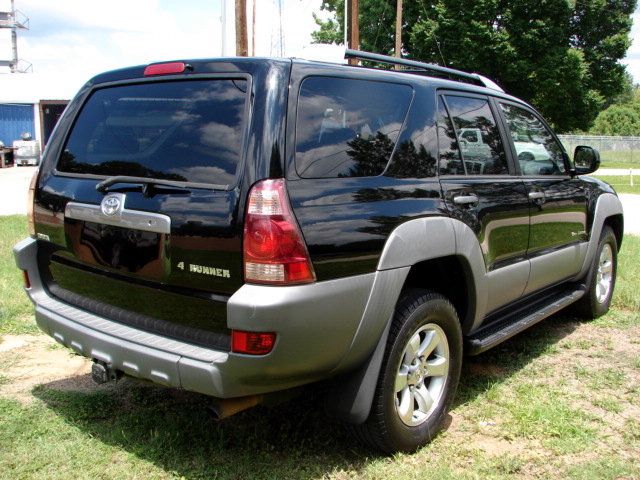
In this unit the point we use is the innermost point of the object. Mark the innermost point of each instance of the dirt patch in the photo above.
(486, 369)
(30, 360)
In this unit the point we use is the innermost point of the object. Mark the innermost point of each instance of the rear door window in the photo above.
(190, 131)
(478, 138)
(348, 127)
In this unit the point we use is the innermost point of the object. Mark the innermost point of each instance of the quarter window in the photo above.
(478, 139)
(538, 151)
(347, 127)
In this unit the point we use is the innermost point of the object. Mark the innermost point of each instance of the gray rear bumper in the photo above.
(316, 325)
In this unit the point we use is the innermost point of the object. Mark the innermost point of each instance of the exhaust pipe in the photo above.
(224, 408)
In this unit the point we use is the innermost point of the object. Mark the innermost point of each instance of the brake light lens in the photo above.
(252, 343)
(165, 68)
(30, 199)
(274, 249)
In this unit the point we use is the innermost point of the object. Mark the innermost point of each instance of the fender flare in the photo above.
(607, 205)
(351, 394)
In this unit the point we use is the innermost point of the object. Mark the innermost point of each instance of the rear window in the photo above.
(188, 131)
(346, 127)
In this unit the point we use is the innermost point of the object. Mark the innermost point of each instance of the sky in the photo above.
(633, 54)
(69, 41)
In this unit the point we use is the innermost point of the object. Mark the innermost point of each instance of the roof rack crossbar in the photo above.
(375, 57)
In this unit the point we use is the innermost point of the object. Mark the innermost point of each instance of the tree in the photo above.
(622, 118)
(617, 120)
(560, 56)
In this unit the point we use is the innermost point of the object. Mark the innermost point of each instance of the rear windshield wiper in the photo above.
(154, 182)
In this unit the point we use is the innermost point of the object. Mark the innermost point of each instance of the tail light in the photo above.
(252, 343)
(30, 199)
(274, 249)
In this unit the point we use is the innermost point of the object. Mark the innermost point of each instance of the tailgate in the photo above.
(161, 247)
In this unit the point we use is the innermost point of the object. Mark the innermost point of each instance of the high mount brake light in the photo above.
(274, 249)
(165, 68)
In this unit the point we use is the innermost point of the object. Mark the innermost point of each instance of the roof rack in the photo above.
(458, 75)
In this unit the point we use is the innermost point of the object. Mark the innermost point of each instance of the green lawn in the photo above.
(617, 159)
(16, 312)
(559, 401)
(622, 183)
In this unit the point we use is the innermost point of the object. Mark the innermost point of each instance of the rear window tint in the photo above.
(187, 131)
(346, 127)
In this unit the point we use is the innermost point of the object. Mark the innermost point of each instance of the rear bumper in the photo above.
(315, 324)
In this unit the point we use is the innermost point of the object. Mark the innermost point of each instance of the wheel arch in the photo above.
(616, 222)
(452, 277)
(607, 211)
(418, 254)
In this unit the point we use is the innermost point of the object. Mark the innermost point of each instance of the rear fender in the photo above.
(415, 241)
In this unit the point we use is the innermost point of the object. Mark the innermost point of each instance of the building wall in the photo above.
(16, 119)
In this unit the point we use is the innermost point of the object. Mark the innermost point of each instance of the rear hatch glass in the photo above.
(188, 131)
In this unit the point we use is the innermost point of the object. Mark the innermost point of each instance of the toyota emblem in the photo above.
(112, 204)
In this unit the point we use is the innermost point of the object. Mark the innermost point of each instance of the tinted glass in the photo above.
(479, 137)
(348, 128)
(538, 152)
(450, 160)
(185, 131)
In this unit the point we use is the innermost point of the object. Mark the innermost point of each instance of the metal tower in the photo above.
(14, 20)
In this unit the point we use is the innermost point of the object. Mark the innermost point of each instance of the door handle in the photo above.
(466, 199)
(536, 195)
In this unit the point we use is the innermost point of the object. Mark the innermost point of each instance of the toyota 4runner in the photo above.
(240, 227)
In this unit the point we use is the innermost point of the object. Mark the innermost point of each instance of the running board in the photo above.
(503, 329)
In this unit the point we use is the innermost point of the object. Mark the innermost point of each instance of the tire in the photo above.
(401, 417)
(601, 279)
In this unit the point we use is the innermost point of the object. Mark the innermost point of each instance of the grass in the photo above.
(16, 312)
(627, 293)
(559, 401)
(620, 159)
(622, 183)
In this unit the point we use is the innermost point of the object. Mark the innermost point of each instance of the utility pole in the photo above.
(398, 30)
(223, 29)
(14, 19)
(242, 44)
(253, 29)
(354, 29)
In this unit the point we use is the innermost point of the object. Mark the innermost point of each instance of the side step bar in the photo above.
(503, 329)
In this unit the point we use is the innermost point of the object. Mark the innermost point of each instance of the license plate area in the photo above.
(125, 250)
(121, 248)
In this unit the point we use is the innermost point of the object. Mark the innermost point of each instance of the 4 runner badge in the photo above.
(213, 271)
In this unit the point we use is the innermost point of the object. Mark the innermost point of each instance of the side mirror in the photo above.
(586, 160)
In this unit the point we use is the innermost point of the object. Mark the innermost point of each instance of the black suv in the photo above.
(241, 227)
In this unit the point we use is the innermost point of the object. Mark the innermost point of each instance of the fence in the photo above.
(615, 152)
